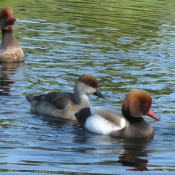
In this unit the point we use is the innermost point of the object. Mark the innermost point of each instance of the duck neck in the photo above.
(133, 119)
(8, 39)
(80, 96)
(126, 113)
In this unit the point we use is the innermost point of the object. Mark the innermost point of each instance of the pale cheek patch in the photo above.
(99, 125)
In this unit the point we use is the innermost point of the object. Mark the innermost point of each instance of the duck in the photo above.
(10, 50)
(127, 123)
(65, 104)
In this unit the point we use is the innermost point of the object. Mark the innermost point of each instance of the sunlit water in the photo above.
(126, 45)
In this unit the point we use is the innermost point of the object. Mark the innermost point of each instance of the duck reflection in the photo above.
(132, 153)
(135, 154)
(7, 69)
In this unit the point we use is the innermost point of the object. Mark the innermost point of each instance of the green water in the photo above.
(126, 45)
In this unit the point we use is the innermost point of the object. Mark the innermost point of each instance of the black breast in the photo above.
(82, 115)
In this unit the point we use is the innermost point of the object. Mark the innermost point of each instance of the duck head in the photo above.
(136, 104)
(88, 84)
(7, 19)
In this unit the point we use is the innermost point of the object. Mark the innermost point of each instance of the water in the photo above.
(126, 45)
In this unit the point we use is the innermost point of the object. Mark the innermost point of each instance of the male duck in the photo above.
(103, 121)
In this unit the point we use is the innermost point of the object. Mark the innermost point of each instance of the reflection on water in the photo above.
(125, 45)
(7, 69)
(135, 154)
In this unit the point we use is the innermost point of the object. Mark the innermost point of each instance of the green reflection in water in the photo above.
(104, 34)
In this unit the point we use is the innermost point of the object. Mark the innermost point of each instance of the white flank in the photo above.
(122, 123)
(98, 124)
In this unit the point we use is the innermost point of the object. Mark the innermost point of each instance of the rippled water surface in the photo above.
(126, 45)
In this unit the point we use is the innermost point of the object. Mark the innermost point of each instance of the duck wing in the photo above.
(59, 99)
(53, 103)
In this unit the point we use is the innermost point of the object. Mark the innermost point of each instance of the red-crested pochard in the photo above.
(103, 121)
(65, 104)
(10, 50)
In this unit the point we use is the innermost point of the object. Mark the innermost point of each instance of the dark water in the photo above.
(126, 45)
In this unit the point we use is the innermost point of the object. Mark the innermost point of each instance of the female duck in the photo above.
(10, 50)
(65, 104)
(103, 121)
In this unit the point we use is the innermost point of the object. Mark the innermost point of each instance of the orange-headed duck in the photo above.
(129, 124)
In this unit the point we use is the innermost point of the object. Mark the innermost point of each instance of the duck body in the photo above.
(65, 104)
(10, 50)
(54, 104)
(128, 123)
(135, 130)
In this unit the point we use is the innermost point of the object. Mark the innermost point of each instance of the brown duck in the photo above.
(10, 50)
(65, 104)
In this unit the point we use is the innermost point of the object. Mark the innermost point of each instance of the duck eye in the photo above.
(146, 104)
(90, 84)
